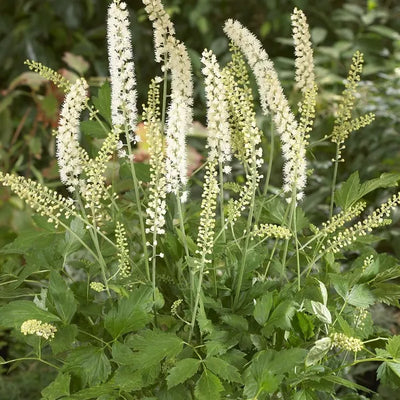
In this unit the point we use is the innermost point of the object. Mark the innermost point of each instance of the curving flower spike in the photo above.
(218, 138)
(304, 62)
(123, 81)
(71, 156)
(294, 141)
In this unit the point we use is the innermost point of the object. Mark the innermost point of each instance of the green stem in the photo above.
(267, 179)
(246, 245)
(335, 170)
(197, 299)
(221, 201)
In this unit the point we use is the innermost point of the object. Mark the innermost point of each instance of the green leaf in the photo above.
(385, 31)
(393, 346)
(236, 321)
(183, 370)
(122, 354)
(103, 102)
(223, 369)
(387, 179)
(90, 363)
(346, 383)
(93, 129)
(58, 388)
(208, 387)
(127, 378)
(348, 192)
(360, 296)
(263, 307)
(352, 190)
(318, 351)
(282, 315)
(64, 338)
(61, 298)
(389, 373)
(304, 322)
(153, 346)
(15, 313)
(130, 313)
(304, 395)
(321, 311)
(101, 392)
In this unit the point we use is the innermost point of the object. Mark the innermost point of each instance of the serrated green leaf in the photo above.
(153, 346)
(304, 395)
(387, 179)
(128, 378)
(318, 351)
(100, 392)
(89, 363)
(15, 313)
(236, 321)
(321, 311)
(208, 387)
(182, 371)
(282, 315)
(61, 298)
(58, 388)
(360, 296)
(64, 338)
(393, 346)
(263, 307)
(122, 354)
(305, 324)
(130, 313)
(348, 192)
(223, 369)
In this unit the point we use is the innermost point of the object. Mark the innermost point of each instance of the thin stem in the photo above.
(335, 170)
(197, 299)
(246, 245)
(221, 201)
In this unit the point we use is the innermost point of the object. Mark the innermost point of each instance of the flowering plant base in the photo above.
(134, 288)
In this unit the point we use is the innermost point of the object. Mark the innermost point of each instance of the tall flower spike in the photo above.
(272, 97)
(304, 62)
(123, 83)
(179, 117)
(43, 200)
(162, 26)
(70, 155)
(156, 207)
(219, 140)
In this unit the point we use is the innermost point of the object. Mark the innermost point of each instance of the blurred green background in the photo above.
(70, 36)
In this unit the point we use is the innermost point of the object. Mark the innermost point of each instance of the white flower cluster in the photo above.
(304, 61)
(272, 97)
(156, 207)
(97, 286)
(123, 250)
(123, 83)
(70, 155)
(179, 117)
(348, 343)
(162, 26)
(205, 238)
(218, 137)
(271, 230)
(38, 328)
